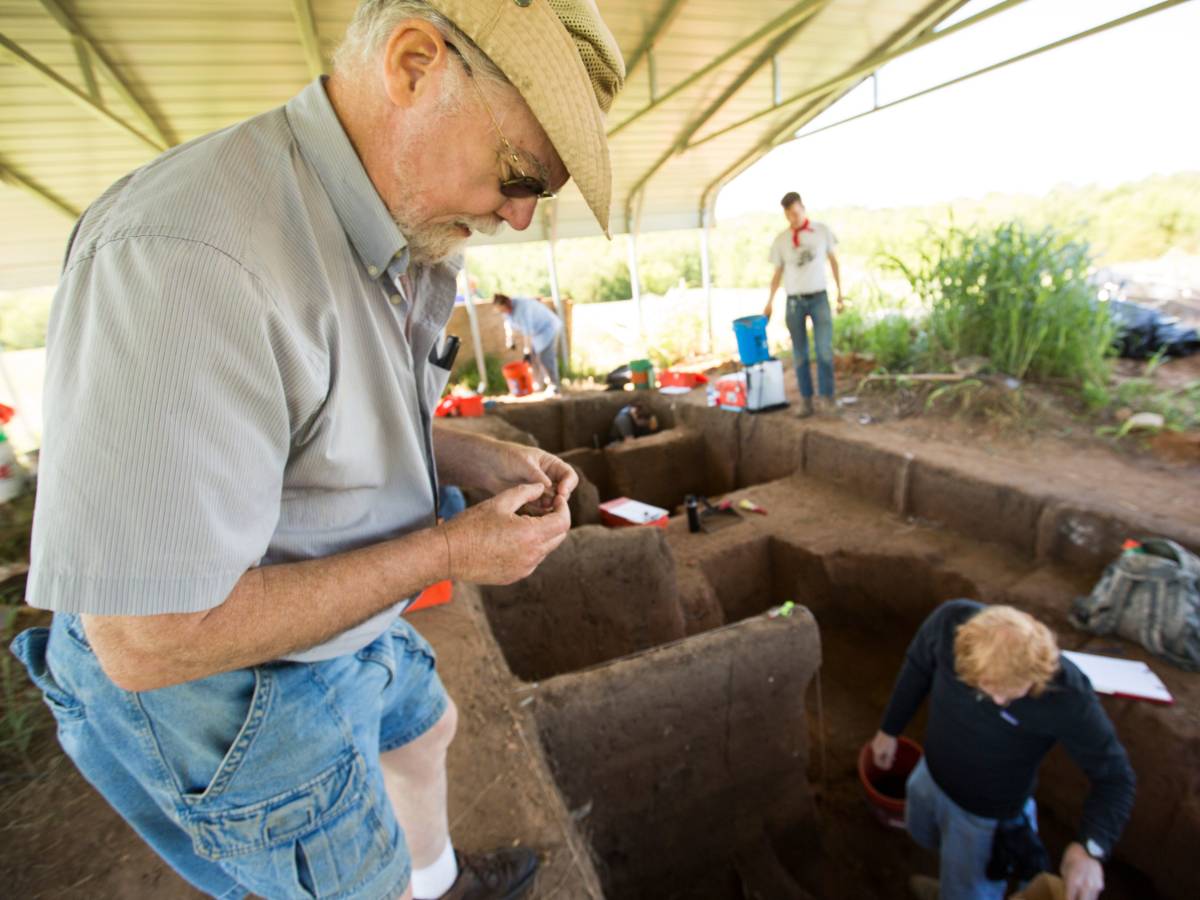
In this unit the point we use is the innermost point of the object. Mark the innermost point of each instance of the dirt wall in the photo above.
(603, 593)
(683, 756)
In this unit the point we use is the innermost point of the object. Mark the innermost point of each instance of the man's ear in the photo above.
(414, 55)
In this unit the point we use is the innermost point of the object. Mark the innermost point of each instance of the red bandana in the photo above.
(807, 226)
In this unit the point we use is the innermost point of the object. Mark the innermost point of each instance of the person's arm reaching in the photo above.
(912, 686)
(837, 280)
(276, 610)
(775, 280)
(1090, 740)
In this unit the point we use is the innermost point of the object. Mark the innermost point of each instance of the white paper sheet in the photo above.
(1121, 677)
(635, 511)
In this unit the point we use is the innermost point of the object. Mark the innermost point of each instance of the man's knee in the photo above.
(427, 750)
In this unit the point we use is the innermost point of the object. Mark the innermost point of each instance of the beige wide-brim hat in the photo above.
(564, 61)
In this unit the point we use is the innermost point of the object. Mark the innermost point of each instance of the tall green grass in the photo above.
(1017, 296)
(891, 338)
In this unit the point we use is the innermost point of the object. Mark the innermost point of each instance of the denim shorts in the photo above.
(263, 780)
(962, 839)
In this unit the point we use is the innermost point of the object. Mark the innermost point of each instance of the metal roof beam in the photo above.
(1012, 60)
(12, 177)
(666, 17)
(864, 68)
(767, 55)
(85, 66)
(55, 80)
(107, 72)
(791, 15)
(920, 25)
(302, 9)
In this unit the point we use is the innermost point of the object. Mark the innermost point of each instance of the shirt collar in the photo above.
(324, 144)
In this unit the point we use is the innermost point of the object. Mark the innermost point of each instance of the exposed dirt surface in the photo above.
(59, 839)
(661, 732)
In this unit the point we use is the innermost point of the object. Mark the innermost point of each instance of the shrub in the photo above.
(890, 341)
(1016, 296)
(468, 375)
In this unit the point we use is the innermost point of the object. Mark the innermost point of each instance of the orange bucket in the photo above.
(885, 787)
(519, 377)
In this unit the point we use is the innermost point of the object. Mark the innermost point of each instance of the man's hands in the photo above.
(1082, 875)
(515, 464)
(841, 303)
(883, 748)
(491, 543)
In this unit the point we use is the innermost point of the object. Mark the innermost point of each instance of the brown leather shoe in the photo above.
(499, 875)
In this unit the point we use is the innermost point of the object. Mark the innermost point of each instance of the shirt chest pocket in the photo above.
(435, 379)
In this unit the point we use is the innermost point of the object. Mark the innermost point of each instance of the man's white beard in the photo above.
(436, 242)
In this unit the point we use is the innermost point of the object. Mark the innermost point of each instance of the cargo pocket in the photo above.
(324, 836)
(30, 648)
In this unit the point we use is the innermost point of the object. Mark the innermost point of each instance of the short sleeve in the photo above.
(830, 239)
(167, 431)
(775, 257)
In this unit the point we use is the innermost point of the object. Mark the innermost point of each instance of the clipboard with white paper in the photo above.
(1121, 677)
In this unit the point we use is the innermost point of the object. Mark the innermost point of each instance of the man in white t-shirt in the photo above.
(798, 255)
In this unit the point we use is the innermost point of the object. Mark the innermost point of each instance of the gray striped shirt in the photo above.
(229, 382)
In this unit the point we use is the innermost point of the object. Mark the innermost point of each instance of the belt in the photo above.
(807, 296)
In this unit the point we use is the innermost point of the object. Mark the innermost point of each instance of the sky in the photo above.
(1116, 107)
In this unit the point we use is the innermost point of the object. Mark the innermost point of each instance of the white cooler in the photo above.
(764, 386)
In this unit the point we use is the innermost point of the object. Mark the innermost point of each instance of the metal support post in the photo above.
(473, 317)
(706, 276)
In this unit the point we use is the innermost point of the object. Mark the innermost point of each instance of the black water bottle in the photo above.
(693, 513)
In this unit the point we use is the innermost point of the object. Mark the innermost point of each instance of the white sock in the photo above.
(431, 881)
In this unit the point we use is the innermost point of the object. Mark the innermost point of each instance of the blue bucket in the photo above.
(751, 334)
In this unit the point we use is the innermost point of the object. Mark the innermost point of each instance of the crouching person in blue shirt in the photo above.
(1001, 696)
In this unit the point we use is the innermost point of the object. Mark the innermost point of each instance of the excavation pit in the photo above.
(623, 635)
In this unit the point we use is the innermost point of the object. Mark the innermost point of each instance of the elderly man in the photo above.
(1000, 697)
(239, 473)
(798, 254)
(540, 329)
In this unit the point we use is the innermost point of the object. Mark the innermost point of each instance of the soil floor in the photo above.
(58, 838)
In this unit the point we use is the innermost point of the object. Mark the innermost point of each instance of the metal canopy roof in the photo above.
(90, 89)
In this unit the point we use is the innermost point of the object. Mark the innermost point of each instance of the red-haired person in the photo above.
(1001, 696)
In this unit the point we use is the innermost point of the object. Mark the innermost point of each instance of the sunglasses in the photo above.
(523, 186)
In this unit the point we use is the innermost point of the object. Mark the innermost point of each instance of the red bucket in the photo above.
(885, 787)
(519, 377)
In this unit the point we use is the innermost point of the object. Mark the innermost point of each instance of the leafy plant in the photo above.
(1016, 296)
(890, 341)
(468, 375)
(1179, 407)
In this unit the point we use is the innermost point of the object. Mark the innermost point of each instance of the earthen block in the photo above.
(870, 472)
(603, 593)
(770, 446)
(488, 426)
(543, 420)
(684, 755)
(659, 468)
(985, 510)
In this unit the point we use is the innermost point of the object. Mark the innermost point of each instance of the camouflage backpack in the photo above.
(1150, 594)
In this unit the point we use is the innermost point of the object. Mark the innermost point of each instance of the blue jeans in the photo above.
(545, 363)
(963, 841)
(451, 501)
(799, 310)
(263, 780)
